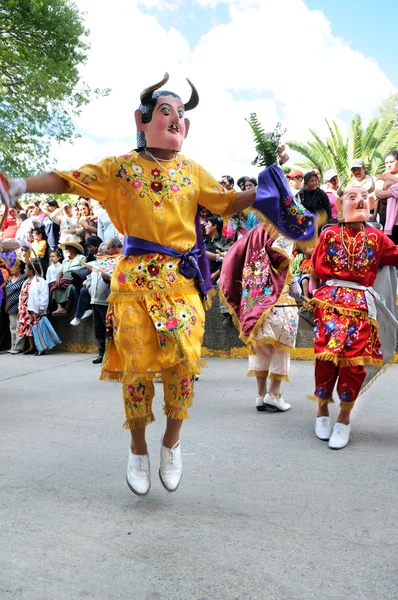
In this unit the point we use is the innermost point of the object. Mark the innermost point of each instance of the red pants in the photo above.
(350, 380)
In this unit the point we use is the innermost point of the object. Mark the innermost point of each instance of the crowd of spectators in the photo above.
(74, 248)
(65, 268)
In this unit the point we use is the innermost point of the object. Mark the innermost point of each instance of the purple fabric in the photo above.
(274, 199)
(7, 260)
(202, 261)
(189, 267)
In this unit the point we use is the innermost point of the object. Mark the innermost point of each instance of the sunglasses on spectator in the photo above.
(296, 177)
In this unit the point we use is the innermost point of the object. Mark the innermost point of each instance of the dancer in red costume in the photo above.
(346, 261)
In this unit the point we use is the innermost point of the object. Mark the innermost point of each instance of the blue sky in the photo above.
(369, 26)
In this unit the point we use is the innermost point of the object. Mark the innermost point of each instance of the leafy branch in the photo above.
(267, 144)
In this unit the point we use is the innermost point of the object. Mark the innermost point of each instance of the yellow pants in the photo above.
(138, 397)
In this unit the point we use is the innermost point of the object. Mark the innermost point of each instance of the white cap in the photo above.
(329, 174)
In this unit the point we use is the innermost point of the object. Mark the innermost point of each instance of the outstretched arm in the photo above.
(245, 199)
(48, 183)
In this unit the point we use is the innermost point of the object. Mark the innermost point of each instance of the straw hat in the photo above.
(71, 241)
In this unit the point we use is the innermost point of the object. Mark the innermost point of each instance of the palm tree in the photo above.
(370, 144)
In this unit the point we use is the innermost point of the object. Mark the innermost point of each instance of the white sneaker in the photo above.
(138, 473)
(15, 351)
(87, 314)
(323, 429)
(170, 471)
(277, 403)
(9, 351)
(75, 322)
(260, 403)
(340, 436)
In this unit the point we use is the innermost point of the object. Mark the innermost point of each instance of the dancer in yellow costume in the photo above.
(156, 316)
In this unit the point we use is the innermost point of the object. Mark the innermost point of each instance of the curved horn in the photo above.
(146, 95)
(194, 99)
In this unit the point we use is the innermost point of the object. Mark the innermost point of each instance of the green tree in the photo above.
(336, 152)
(41, 48)
(389, 109)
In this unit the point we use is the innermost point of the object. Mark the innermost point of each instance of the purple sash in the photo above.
(192, 265)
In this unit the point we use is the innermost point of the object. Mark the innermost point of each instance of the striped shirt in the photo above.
(13, 291)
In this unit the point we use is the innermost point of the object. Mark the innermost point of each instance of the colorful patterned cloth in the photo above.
(275, 200)
(343, 331)
(345, 337)
(255, 278)
(155, 321)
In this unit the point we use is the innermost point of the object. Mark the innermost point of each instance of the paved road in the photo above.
(264, 510)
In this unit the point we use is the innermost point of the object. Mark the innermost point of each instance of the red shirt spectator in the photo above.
(10, 226)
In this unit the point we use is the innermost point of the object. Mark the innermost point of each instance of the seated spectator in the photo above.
(13, 291)
(313, 198)
(93, 242)
(301, 269)
(215, 245)
(40, 248)
(33, 302)
(251, 182)
(241, 182)
(50, 227)
(61, 289)
(55, 266)
(10, 225)
(239, 224)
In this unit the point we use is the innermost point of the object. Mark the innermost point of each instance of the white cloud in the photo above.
(280, 53)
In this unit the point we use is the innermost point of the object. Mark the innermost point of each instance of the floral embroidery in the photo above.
(256, 279)
(357, 256)
(322, 391)
(347, 394)
(154, 184)
(151, 272)
(137, 395)
(171, 320)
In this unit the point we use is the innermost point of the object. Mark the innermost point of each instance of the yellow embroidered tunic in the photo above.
(155, 320)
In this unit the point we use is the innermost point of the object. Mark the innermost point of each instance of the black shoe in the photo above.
(98, 360)
(30, 351)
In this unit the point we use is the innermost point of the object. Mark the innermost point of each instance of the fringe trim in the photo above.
(251, 339)
(271, 342)
(349, 362)
(181, 369)
(343, 311)
(374, 378)
(116, 297)
(208, 301)
(134, 423)
(255, 373)
(179, 414)
(321, 401)
(347, 406)
(278, 377)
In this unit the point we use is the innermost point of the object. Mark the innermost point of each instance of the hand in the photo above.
(17, 187)
(59, 276)
(215, 276)
(83, 222)
(71, 230)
